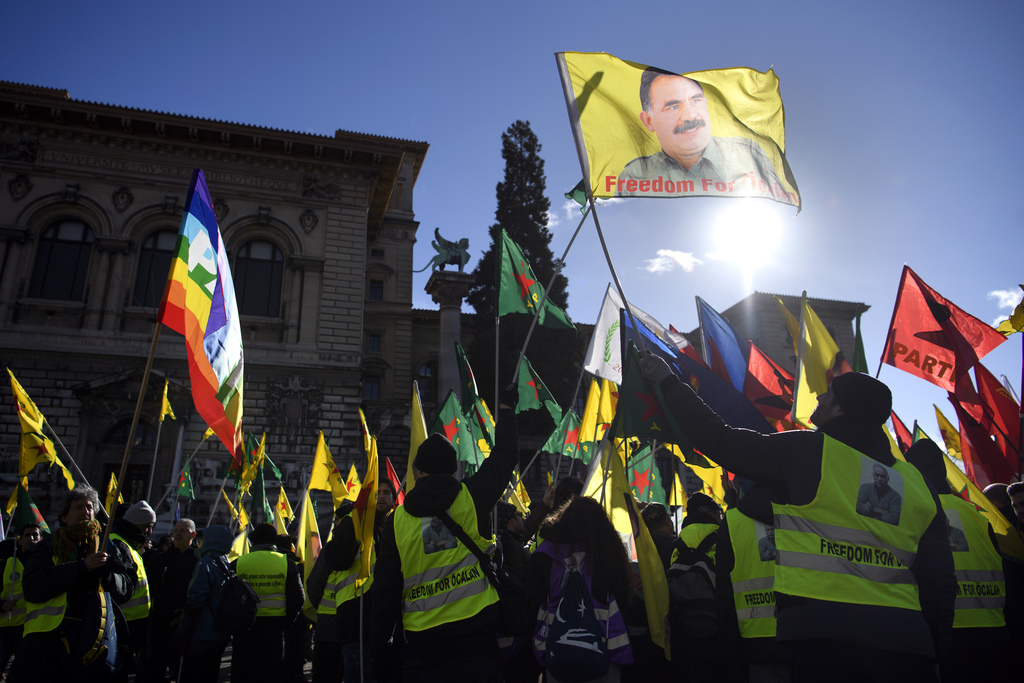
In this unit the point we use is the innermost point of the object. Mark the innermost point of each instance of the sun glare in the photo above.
(747, 234)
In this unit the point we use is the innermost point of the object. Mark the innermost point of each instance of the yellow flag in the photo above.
(365, 508)
(165, 406)
(678, 496)
(417, 435)
(950, 434)
(591, 427)
(352, 484)
(629, 146)
(240, 514)
(282, 512)
(893, 446)
(816, 357)
(108, 504)
(325, 475)
(251, 468)
(12, 502)
(308, 545)
(208, 433)
(608, 402)
(524, 496)
(514, 498)
(792, 325)
(240, 546)
(36, 447)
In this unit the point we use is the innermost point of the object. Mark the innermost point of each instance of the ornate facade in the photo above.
(319, 231)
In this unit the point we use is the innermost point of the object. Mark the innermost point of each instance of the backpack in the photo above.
(575, 647)
(693, 607)
(236, 612)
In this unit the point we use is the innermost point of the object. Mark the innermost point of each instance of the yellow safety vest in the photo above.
(753, 579)
(13, 571)
(42, 617)
(827, 550)
(442, 580)
(341, 584)
(692, 536)
(980, 585)
(266, 571)
(137, 607)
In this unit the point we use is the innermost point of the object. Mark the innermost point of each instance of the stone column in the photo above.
(448, 290)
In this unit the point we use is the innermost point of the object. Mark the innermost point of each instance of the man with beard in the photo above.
(878, 499)
(63, 577)
(691, 161)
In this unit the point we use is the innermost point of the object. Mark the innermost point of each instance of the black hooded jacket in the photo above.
(790, 463)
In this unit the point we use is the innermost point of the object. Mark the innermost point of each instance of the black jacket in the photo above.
(431, 495)
(790, 463)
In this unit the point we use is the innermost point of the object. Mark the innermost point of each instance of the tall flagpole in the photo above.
(66, 453)
(131, 432)
(156, 451)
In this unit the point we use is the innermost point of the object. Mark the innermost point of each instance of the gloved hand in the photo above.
(653, 367)
(112, 566)
(509, 396)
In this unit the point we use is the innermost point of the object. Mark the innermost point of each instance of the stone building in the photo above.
(319, 231)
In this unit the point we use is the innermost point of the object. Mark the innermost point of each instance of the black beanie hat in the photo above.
(927, 458)
(505, 512)
(436, 455)
(702, 506)
(263, 534)
(862, 396)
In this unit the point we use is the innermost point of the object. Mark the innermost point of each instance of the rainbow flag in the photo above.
(199, 302)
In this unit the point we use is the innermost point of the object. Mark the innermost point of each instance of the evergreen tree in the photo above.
(523, 212)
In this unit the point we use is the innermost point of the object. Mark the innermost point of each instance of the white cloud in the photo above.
(1007, 298)
(552, 220)
(668, 259)
(572, 212)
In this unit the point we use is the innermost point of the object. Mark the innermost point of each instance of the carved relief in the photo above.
(71, 192)
(123, 198)
(19, 187)
(308, 220)
(294, 409)
(264, 215)
(221, 209)
(319, 188)
(18, 148)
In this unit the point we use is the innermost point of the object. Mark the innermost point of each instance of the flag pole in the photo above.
(135, 423)
(156, 451)
(188, 461)
(216, 501)
(544, 297)
(611, 268)
(64, 448)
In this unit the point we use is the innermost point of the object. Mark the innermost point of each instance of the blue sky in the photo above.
(900, 121)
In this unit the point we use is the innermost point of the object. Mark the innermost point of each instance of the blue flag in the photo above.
(718, 334)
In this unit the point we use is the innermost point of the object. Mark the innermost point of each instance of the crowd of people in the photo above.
(837, 562)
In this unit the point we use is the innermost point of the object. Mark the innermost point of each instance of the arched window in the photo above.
(154, 262)
(426, 380)
(258, 271)
(62, 261)
(145, 435)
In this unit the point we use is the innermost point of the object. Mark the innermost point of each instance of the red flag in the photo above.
(903, 436)
(395, 482)
(768, 386)
(933, 338)
(984, 462)
(1002, 414)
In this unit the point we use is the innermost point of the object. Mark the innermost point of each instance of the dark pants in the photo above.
(201, 664)
(818, 660)
(10, 636)
(473, 659)
(258, 654)
(327, 661)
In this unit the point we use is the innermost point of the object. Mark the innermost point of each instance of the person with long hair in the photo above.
(579, 537)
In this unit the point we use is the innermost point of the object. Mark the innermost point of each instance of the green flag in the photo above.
(453, 425)
(185, 489)
(519, 291)
(533, 395)
(483, 421)
(469, 393)
(641, 411)
(566, 440)
(860, 360)
(644, 477)
(26, 512)
(579, 195)
(259, 497)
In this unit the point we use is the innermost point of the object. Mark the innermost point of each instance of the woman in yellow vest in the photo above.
(427, 581)
(61, 575)
(978, 623)
(858, 597)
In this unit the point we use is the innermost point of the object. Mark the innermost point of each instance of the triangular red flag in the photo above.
(931, 337)
(1001, 410)
(983, 461)
(395, 481)
(903, 436)
(768, 386)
